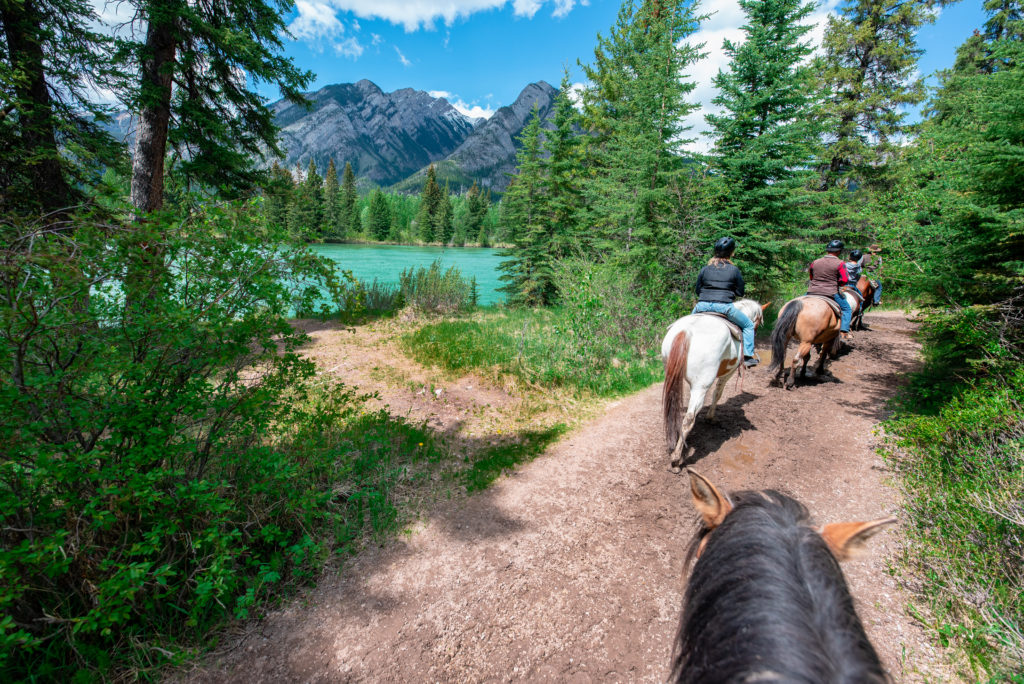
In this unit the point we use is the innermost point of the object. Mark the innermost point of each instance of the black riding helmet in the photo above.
(724, 247)
(856, 254)
(835, 246)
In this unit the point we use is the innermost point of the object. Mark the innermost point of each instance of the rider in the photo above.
(718, 285)
(828, 275)
(873, 266)
(854, 265)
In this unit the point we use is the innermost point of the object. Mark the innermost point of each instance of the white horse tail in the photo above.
(672, 398)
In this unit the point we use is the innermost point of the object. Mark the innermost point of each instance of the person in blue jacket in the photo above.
(718, 285)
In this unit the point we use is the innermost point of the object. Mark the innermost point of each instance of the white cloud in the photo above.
(576, 94)
(726, 22)
(472, 110)
(350, 47)
(416, 14)
(318, 23)
(315, 22)
(401, 58)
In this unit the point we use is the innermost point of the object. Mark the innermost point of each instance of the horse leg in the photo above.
(697, 393)
(803, 354)
(719, 388)
(819, 369)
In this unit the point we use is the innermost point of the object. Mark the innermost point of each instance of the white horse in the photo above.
(698, 349)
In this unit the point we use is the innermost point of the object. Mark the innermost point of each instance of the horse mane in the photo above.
(751, 308)
(767, 601)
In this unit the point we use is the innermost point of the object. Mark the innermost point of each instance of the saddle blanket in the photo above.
(855, 292)
(737, 333)
(828, 300)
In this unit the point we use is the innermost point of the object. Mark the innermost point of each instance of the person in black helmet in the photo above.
(718, 285)
(828, 275)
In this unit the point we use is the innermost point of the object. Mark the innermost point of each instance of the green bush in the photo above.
(167, 461)
(957, 441)
(433, 290)
(380, 297)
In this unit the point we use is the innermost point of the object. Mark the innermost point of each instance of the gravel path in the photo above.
(571, 569)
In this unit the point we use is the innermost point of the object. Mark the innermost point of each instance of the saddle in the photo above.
(828, 300)
(737, 333)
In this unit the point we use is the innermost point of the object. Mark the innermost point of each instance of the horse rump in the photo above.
(785, 326)
(766, 599)
(672, 394)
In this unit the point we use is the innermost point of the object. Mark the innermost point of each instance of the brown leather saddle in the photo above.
(828, 300)
(737, 333)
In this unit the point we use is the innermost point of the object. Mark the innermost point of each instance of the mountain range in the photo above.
(391, 138)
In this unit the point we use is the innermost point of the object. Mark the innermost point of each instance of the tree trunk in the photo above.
(35, 110)
(147, 191)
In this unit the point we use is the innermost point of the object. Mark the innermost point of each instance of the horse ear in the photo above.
(847, 538)
(765, 306)
(708, 501)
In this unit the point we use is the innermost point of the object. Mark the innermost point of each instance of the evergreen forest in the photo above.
(171, 463)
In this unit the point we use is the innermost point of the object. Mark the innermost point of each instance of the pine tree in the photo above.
(563, 165)
(50, 143)
(445, 220)
(379, 215)
(203, 47)
(528, 269)
(430, 204)
(348, 213)
(966, 207)
(278, 195)
(331, 227)
(477, 204)
(765, 136)
(636, 103)
(869, 75)
(312, 196)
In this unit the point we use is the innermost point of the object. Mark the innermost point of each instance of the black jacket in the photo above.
(719, 284)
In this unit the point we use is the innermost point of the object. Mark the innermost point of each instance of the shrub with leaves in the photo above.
(434, 290)
(165, 460)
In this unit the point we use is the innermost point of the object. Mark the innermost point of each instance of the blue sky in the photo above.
(481, 53)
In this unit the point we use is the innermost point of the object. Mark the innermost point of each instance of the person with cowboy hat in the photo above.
(828, 275)
(718, 285)
(873, 269)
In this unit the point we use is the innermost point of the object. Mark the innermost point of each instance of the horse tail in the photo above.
(672, 397)
(784, 328)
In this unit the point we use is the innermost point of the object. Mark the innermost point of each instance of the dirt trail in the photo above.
(571, 569)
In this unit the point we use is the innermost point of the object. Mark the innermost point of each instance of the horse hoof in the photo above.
(675, 469)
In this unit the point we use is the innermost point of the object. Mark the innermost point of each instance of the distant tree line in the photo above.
(322, 208)
(805, 148)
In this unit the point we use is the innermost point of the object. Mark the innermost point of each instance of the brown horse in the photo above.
(867, 292)
(811, 321)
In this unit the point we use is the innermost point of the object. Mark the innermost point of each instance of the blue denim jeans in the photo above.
(846, 312)
(878, 292)
(737, 317)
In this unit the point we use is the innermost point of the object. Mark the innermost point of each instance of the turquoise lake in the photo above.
(385, 262)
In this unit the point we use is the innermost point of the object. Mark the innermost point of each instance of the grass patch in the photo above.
(490, 463)
(535, 346)
(958, 447)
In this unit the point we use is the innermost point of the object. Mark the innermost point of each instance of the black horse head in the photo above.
(766, 600)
